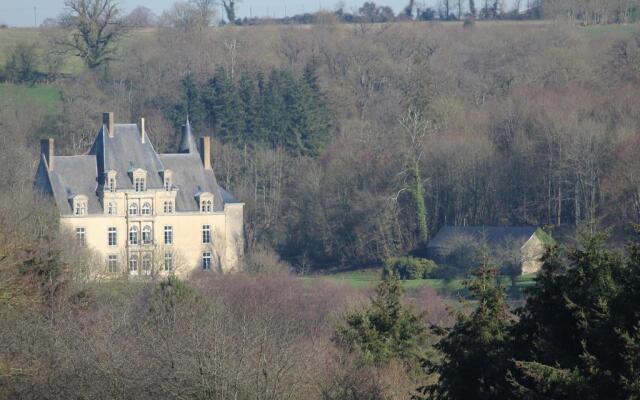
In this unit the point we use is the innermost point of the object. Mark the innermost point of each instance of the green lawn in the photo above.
(44, 95)
(369, 278)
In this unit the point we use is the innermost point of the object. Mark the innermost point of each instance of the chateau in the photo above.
(145, 213)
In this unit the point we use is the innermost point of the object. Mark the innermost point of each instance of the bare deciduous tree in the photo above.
(97, 27)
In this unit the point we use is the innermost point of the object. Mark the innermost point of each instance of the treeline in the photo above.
(279, 110)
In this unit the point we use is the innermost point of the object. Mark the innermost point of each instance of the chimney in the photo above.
(142, 130)
(46, 149)
(109, 122)
(205, 152)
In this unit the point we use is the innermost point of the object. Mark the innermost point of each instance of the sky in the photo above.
(21, 12)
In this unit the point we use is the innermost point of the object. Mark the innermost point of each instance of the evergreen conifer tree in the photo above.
(386, 329)
(579, 332)
(476, 350)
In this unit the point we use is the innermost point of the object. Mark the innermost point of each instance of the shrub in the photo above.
(411, 267)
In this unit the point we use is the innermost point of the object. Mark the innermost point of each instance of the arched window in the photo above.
(146, 209)
(133, 265)
(133, 235)
(146, 265)
(146, 235)
(133, 209)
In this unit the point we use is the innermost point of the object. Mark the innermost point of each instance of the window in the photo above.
(168, 235)
(206, 234)
(146, 235)
(112, 209)
(133, 265)
(79, 203)
(167, 179)
(81, 236)
(140, 184)
(146, 265)
(206, 260)
(133, 235)
(111, 181)
(81, 208)
(146, 209)
(112, 264)
(206, 206)
(112, 236)
(133, 209)
(168, 261)
(168, 207)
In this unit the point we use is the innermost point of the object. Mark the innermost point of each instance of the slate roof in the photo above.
(493, 235)
(191, 179)
(75, 175)
(84, 174)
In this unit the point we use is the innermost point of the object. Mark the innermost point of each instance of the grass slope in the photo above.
(44, 95)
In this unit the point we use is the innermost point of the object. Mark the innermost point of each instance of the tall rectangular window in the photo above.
(168, 261)
(113, 264)
(133, 265)
(112, 184)
(146, 265)
(206, 234)
(168, 235)
(168, 207)
(81, 236)
(206, 260)
(112, 236)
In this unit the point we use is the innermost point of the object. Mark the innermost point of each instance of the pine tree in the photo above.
(475, 351)
(386, 329)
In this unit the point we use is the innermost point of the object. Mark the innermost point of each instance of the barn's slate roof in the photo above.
(493, 235)
(125, 152)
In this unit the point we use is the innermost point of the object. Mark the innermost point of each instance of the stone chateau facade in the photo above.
(145, 213)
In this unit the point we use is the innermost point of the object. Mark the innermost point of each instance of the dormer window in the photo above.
(111, 181)
(206, 202)
(139, 180)
(140, 185)
(79, 205)
(167, 175)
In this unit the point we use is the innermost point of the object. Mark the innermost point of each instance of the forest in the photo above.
(352, 141)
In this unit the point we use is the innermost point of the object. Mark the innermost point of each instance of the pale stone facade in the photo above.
(145, 213)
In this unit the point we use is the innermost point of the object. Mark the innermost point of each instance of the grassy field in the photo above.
(11, 37)
(44, 95)
(369, 278)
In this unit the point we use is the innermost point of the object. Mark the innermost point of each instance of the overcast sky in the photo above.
(21, 12)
